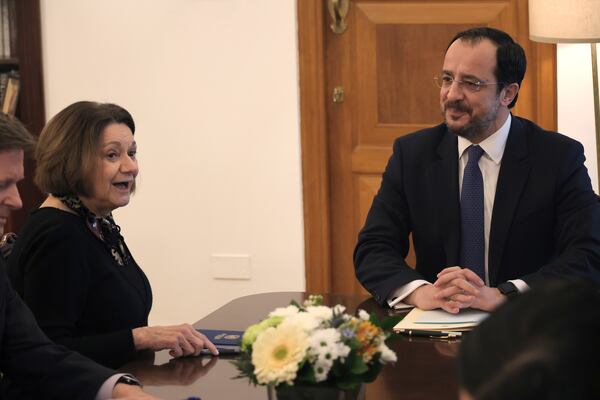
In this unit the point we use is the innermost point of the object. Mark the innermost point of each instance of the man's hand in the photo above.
(427, 297)
(132, 392)
(467, 290)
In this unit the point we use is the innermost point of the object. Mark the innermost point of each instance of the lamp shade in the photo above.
(568, 21)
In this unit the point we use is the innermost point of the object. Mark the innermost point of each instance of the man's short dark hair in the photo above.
(511, 62)
(541, 345)
(13, 135)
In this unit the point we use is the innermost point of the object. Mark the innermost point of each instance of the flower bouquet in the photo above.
(313, 344)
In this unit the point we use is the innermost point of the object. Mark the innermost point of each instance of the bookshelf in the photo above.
(26, 58)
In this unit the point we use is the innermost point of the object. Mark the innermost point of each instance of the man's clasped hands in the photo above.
(456, 288)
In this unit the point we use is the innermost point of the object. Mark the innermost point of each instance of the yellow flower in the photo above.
(366, 331)
(368, 336)
(277, 354)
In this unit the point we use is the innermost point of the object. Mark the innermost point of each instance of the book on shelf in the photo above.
(3, 82)
(8, 28)
(12, 28)
(3, 32)
(10, 96)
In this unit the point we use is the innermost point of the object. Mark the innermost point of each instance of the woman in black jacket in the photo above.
(70, 263)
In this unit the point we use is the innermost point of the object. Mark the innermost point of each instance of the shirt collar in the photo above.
(493, 145)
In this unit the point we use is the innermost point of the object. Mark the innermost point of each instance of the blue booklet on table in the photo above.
(226, 341)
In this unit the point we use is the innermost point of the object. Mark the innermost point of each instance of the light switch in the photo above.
(231, 266)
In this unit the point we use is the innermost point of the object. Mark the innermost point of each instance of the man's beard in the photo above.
(477, 128)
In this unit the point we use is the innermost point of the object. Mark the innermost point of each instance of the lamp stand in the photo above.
(596, 107)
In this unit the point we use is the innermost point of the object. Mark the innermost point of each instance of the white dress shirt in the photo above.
(105, 391)
(489, 164)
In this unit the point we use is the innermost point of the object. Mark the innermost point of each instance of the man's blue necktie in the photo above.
(472, 249)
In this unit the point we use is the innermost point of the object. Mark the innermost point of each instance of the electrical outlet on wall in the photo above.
(231, 266)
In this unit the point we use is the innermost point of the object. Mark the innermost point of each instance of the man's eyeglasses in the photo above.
(445, 81)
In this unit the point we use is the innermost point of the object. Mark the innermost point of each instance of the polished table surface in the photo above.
(425, 369)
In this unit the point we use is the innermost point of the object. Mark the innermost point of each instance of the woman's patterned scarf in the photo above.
(104, 228)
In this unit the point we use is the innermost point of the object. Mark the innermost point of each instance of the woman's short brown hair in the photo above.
(67, 149)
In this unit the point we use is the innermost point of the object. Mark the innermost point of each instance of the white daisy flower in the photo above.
(322, 368)
(324, 348)
(362, 314)
(307, 321)
(322, 340)
(338, 309)
(284, 311)
(387, 354)
(320, 312)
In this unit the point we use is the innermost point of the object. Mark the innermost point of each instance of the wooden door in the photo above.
(384, 61)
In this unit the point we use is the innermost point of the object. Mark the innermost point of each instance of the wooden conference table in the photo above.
(425, 368)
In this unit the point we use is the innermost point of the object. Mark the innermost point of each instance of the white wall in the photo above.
(576, 100)
(213, 88)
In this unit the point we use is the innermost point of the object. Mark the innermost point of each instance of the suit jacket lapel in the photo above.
(444, 173)
(513, 175)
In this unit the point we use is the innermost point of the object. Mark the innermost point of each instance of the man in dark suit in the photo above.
(30, 363)
(521, 212)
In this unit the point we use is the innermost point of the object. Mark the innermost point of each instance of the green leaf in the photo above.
(350, 360)
(337, 369)
(358, 366)
(353, 343)
(394, 337)
(306, 374)
(295, 303)
(245, 366)
(374, 320)
(388, 323)
(372, 373)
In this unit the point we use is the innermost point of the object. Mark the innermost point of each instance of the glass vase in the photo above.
(314, 392)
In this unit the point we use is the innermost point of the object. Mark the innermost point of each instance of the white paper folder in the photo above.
(440, 320)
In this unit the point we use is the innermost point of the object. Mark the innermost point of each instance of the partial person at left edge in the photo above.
(71, 264)
(31, 365)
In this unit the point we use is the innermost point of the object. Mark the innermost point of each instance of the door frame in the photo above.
(314, 146)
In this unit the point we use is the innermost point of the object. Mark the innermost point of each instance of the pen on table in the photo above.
(424, 333)
(222, 351)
